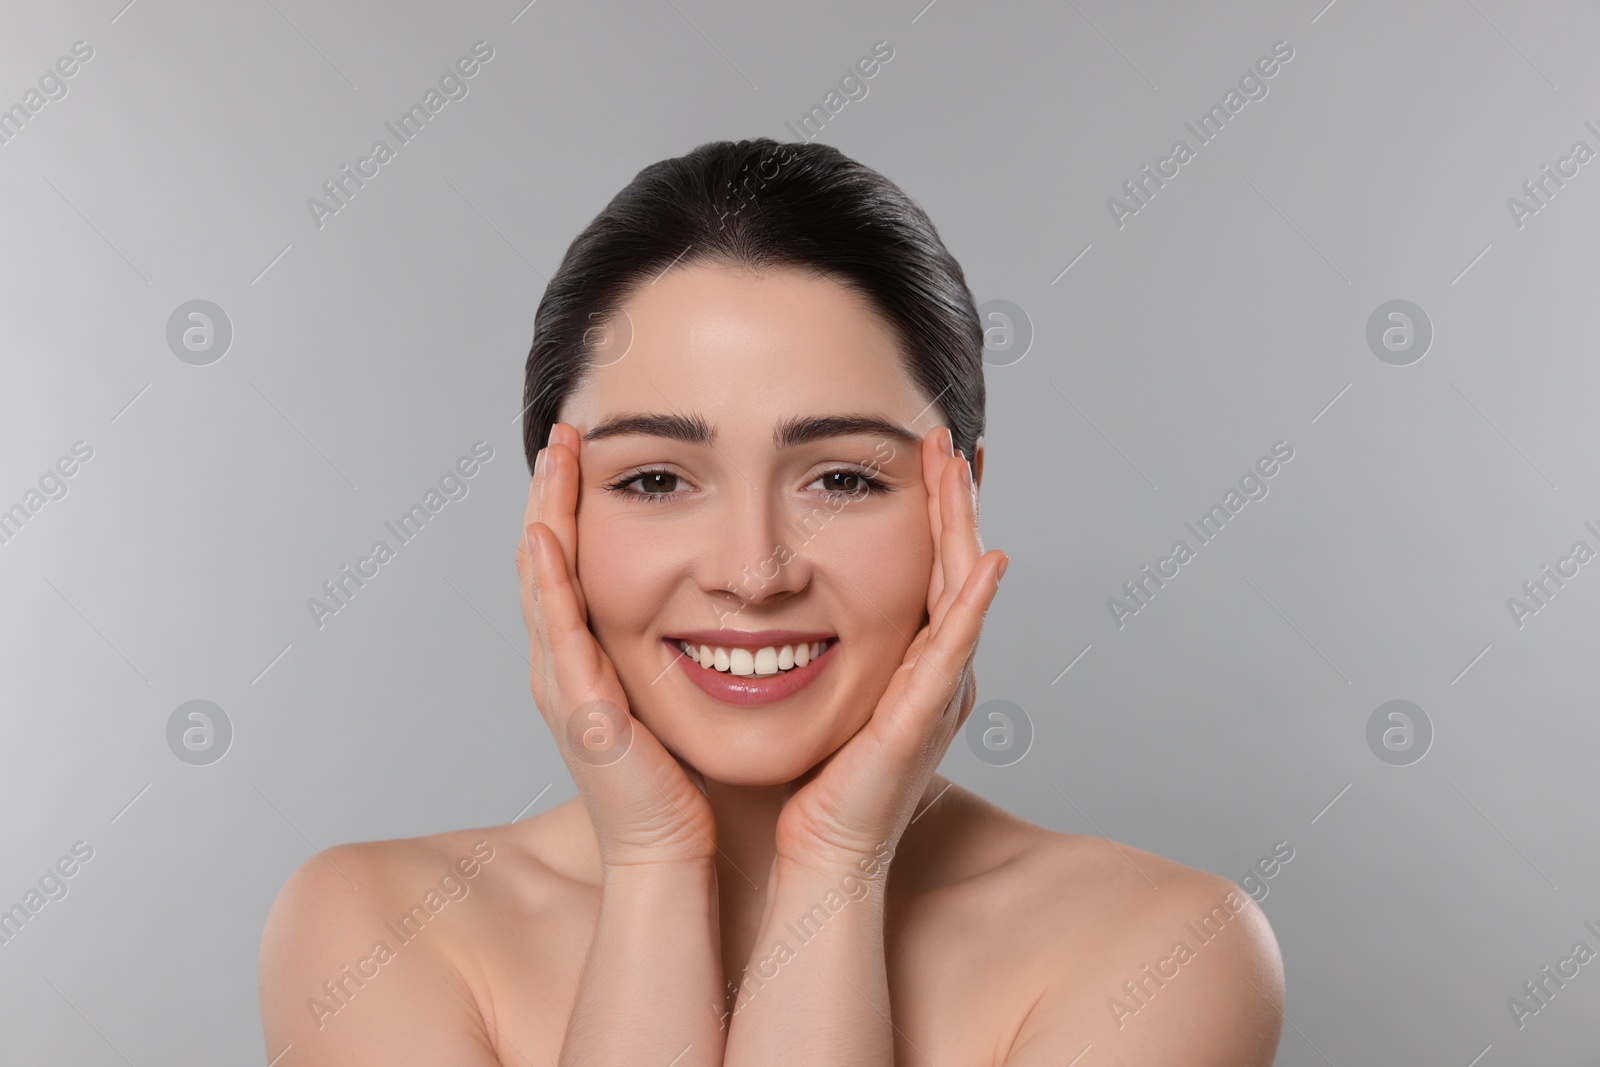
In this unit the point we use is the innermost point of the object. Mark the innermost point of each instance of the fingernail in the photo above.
(551, 436)
(538, 463)
(966, 473)
(1001, 573)
(949, 444)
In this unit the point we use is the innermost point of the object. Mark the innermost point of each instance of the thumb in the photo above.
(693, 774)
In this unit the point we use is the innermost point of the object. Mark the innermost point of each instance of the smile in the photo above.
(752, 674)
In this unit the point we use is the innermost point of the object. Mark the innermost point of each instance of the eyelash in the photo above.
(869, 485)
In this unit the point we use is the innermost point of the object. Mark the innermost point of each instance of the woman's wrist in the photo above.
(651, 966)
(833, 865)
(643, 872)
(819, 953)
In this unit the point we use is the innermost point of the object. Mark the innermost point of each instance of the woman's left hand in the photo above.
(860, 799)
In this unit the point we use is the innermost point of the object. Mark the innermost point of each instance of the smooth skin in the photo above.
(942, 930)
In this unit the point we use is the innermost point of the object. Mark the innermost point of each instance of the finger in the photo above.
(693, 773)
(571, 653)
(538, 655)
(939, 674)
(965, 698)
(934, 459)
(558, 499)
(530, 514)
(967, 526)
(960, 545)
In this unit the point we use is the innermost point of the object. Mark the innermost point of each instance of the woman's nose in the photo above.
(754, 552)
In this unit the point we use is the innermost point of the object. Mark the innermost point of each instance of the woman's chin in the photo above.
(748, 769)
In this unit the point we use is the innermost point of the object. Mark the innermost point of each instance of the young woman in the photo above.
(753, 583)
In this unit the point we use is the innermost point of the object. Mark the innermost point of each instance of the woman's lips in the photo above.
(750, 689)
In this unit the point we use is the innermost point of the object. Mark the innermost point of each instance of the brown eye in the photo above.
(655, 486)
(842, 481)
(657, 481)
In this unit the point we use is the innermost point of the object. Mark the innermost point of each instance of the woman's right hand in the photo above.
(646, 805)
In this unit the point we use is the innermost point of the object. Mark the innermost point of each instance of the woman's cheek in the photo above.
(890, 562)
(616, 579)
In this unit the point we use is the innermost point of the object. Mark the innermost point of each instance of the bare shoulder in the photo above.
(366, 955)
(1105, 944)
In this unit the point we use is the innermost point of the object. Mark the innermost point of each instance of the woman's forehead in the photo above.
(747, 349)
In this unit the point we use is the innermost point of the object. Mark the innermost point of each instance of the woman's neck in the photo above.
(747, 823)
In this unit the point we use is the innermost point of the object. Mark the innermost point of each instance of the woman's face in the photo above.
(734, 511)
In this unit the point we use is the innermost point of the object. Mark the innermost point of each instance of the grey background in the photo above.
(1228, 314)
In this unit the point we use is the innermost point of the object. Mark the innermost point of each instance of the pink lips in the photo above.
(750, 689)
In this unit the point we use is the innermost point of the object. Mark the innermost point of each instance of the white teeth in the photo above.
(773, 659)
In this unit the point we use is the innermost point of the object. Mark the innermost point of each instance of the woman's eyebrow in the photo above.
(799, 430)
(690, 429)
(803, 429)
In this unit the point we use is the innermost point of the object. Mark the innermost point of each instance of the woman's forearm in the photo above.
(652, 968)
(816, 989)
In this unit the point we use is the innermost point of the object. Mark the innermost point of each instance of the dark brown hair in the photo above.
(754, 204)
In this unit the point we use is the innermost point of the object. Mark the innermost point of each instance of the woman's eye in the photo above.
(657, 482)
(649, 484)
(842, 482)
(662, 486)
(849, 483)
